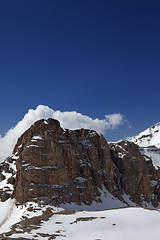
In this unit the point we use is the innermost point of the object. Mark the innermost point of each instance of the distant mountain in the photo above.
(149, 143)
(148, 138)
(54, 172)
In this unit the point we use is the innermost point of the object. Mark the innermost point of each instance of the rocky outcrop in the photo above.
(133, 173)
(56, 165)
(62, 165)
(7, 178)
(139, 178)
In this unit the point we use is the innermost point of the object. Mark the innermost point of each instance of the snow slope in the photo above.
(149, 137)
(152, 153)
(149, 143)
(122, 224)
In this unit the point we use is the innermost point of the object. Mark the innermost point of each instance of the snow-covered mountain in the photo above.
(149, 137)
(63, 184)
(149, 143)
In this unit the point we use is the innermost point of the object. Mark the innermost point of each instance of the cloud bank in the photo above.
(70, 120)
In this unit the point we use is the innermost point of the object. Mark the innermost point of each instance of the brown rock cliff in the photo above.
(63, 166)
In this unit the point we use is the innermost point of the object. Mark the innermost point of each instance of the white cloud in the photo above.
(114, 120)
(70, 120)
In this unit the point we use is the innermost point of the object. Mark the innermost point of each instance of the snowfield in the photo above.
(129, 223)
(149, 143)
(153, 153)
(149, 137)
(122, 224)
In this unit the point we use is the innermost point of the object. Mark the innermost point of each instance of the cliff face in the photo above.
(134, 177)
(63, 166)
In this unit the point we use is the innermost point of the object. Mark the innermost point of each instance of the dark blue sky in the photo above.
(94, 57)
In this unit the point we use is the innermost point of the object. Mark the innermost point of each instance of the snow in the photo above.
(10, 214)
(121, 224)
(127, 200)
(153, 154)
(37, 146)
(39, 167)
(149, 143)
(60, 141)
(12, 165)
(48, 167)
(120, 155)
(4, 183)
(108, 202)
(149, 137)
(81, 179)
(154, 183)
(37, 138)
(15, 157)
(85, 143)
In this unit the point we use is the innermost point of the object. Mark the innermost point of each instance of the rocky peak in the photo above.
(56, 165)
(61, 165)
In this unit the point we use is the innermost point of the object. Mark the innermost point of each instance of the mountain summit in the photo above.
(149, 137)
(60, 166)
(149, 144)
(53, 168)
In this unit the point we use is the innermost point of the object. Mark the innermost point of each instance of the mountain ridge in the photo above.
(58, 172)
(148, 137)
(73, 166)
(149, 143)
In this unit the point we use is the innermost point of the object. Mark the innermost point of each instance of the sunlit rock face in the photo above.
(57, 166)
(62, 165)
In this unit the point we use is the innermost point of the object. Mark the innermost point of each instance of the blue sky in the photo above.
(94, 57)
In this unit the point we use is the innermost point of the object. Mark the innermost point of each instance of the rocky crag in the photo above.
(56, 166)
